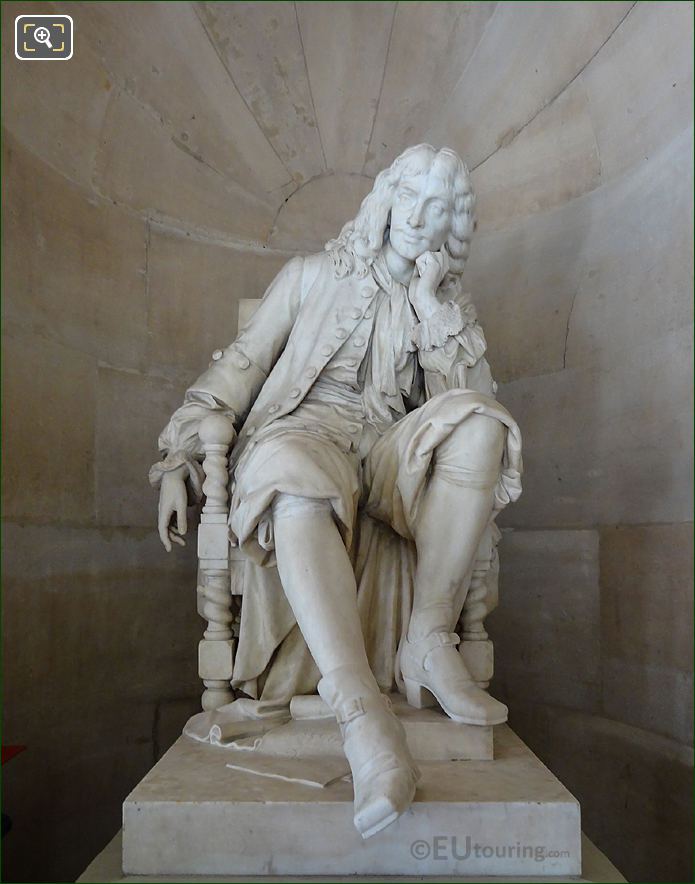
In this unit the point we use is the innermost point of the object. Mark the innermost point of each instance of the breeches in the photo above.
(439, 436)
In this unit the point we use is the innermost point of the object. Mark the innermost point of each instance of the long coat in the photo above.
(305, 316)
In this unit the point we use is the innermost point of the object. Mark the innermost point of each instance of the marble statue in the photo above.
(368, 459)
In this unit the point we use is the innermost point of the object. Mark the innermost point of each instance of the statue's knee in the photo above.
(477, 441)
(485, 433)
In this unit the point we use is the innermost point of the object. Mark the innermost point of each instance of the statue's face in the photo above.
(421, 215)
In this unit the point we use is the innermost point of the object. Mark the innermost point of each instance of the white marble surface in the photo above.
(318, 771)
(106, 867)
(288, 749)
(356, 414)
(431, 734)
(191, 816)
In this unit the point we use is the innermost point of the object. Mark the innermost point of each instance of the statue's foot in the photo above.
(384, 774)
(382, 797)
(434, 671)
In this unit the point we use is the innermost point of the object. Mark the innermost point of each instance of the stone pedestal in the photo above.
(193, 815)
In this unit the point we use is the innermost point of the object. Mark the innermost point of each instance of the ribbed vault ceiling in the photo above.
(285, 92)
(265, 122)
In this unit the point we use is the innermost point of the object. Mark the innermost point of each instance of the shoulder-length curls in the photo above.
(361, 239)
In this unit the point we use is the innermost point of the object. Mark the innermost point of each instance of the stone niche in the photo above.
(164, 174)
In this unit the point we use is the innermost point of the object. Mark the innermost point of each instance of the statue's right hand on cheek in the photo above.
(173, 499)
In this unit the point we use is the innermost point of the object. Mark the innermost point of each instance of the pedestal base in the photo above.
(105, 868)
(191, 815)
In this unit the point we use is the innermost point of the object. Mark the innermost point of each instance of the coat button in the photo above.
(358, 342)
(357, 313)
(351, 363)
(273, 409)
(217, 355)
(326, 350)
(250, 431)
(367, 292)
(341, 333)
(243, 362)
(354, 428)
(368, 313)
(311, 372)
(294, 392)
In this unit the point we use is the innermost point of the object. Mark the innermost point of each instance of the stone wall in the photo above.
(168, 170)
(582, 272)
(125, 257)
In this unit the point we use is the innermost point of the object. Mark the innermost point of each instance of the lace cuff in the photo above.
(173, 461)
(434, 332)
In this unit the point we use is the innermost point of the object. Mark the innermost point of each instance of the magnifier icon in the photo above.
(43, 35)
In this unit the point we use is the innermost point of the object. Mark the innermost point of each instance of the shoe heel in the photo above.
(417, 695)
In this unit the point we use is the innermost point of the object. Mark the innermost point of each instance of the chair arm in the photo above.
(217, 433)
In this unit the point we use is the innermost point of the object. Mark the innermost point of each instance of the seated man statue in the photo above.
(363, 404)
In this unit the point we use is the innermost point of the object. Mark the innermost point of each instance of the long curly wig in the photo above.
(361, 239)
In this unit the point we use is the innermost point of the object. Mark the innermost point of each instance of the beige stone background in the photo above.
(169, 169)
